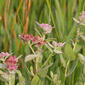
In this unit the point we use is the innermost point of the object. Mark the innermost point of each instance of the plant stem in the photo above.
(36, 64)
(67, 68)
(31, 48)
(47, 60)
(73, 79)
(28, 70)
(36, 61)
(51, 14)
(45, 67)
(12, 80)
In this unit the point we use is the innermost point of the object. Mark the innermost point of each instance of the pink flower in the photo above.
(12, 60)
(55, 44)
(60, 44)
(35, 39)
(38, 40)
(12, 67)
(11, 63)
(83, 13)
(2, 54)
(82, 17)
(46, 27)
(41, 43)
(26, 37)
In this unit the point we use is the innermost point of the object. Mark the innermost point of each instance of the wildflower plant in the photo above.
(36, 45)
(81, 19)
(50, 36)
(8, 67)
(40, 41)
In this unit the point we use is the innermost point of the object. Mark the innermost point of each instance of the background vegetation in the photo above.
(19, 16)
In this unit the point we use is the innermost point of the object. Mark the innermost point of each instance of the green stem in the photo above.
(67, 68)
(42, 69)
(36, 61)
(47, 60)
(49, 48)
(36, 64)
(31, 48)
(73, 79)
(48, 4)
(12, 81)
(28, 71)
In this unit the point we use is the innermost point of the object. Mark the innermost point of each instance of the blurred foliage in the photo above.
(19, 16)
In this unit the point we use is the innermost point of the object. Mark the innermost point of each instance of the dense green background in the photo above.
(19, 16)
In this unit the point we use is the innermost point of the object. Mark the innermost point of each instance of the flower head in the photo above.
(41, 43)
(12, 67)
(59, 44)
(26, 37)
(3, 54)
(45, 27)
(38, 40)
(35, 39)
(82, 17)
(11, 63)
(54, 43)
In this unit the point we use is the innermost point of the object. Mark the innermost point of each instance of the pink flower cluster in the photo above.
(81, 20)
(82, 15)
(45, 27)
(26, 37)
(38, 40)
(11, 63)
(2, 54)
(35, 39)
(60, 44)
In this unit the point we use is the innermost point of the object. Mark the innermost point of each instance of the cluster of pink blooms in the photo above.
(45, 27)
(35, 39)
(81, 20)
(38, 40)
(26, 37)
(55, 44)
(2, 54)
(82, 15)
(11, 63)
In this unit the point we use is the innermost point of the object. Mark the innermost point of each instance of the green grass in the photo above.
(19, 17)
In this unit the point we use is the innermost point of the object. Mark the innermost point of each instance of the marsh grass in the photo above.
(19, 16)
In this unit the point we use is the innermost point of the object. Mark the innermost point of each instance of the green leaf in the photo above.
(77, 48)
(69, 52)
(62, 60)
(2, 4)
(12, 80)
(36, 81)
(72, 69)
(21, 78)
(43, 73)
